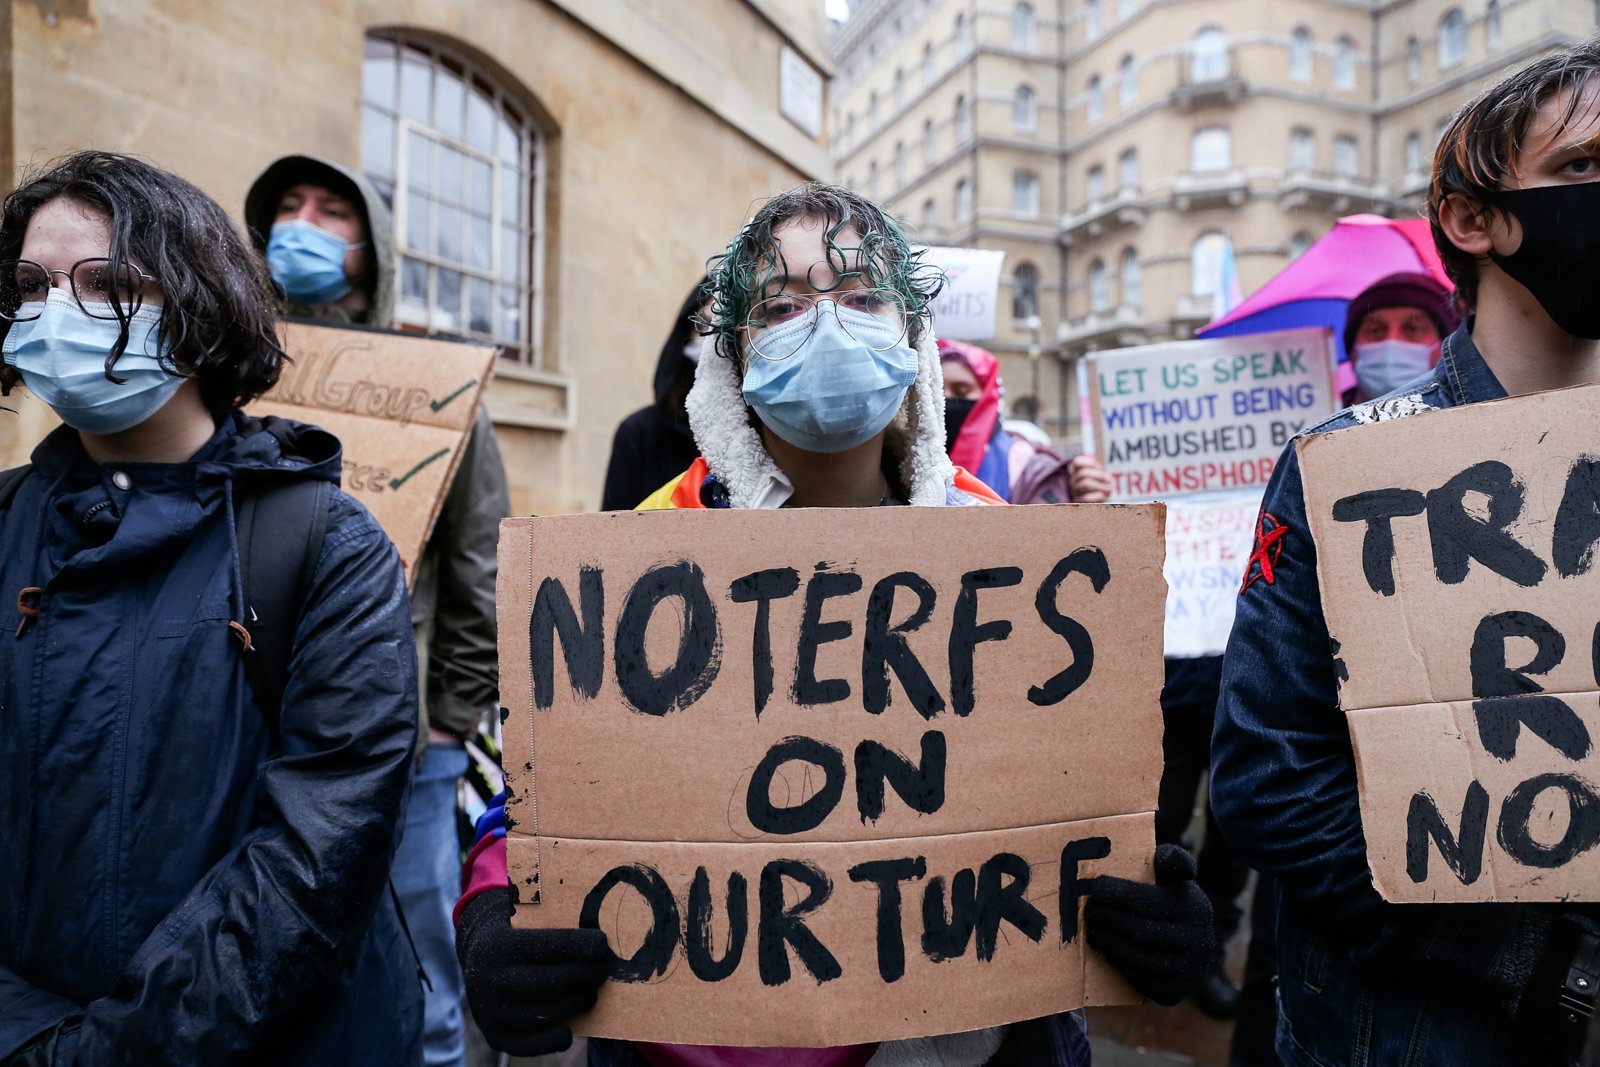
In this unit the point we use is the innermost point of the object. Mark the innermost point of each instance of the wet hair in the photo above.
(1482, 145)
(218, 313)
(753, 268)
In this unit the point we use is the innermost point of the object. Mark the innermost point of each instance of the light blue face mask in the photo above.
(1384, 366)
(62, 357)
(835, 392)
(308, 262)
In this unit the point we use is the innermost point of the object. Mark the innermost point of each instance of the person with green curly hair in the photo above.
(822, 388)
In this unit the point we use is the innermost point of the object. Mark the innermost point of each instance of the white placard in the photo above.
(965, 310)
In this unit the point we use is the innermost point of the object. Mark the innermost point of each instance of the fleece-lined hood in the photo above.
(731, 444)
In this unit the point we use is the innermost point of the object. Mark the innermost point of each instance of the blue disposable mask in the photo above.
(308, 262)
(835, 392)
(1384, 366)
(62, 358)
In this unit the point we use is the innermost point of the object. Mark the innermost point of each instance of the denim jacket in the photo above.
(1284, 788)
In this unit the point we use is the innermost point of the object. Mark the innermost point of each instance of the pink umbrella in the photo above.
(1316, 289)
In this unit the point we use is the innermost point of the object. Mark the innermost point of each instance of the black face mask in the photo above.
(956, 410)
(1559, 259)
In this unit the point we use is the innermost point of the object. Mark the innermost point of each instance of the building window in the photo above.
(1452, 38)
(1211, 149)
(1022, 28)
(1128, 169)
(899, 164)
(1344, 156)
(1413, 153)
(1205, 264)
(1209, 55)
(1302, 149)
(1127, 81)
(1096, 107)
(1491, 24)
(963, 119)
(850, 129)
(1344, 63)
(1025, 292)
(928, 144)
(1025, 192)
(1300, 55)
(963, 36)
(460, 162)
(872, 179)
(1132, 279)
(1094, 183)
(963, 200)
(930, 214)
(1298, 245)
(1126, 8)
(1413, 60)
(1024, 110)
(1094, 19)
(899, 88)
(872, 111)
(927, 65)
(1099, 287)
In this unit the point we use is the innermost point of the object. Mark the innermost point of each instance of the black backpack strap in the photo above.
(10, 480)
(281, 525)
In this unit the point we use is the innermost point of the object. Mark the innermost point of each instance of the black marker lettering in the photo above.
(1458, 537)
(921, 787)
(763, 587)
(966, 633)
(1583, 822)
(655, 955)
(887, 876)
(1462, 850)
(823, 586)
(1376, 508)
(782, 927)
(583, 645)
(885, 648)
(810, 811)
(1091, 563)
(698, 942)
(699, 654)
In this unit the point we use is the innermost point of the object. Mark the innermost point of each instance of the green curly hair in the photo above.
(752, 268)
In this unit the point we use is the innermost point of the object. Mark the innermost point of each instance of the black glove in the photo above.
(523, 984)
(1158, 936)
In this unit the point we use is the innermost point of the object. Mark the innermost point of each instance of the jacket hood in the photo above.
(261, 206)
(729, 441)
(973, 440)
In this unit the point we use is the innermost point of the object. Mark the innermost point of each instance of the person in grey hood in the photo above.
(329, 243)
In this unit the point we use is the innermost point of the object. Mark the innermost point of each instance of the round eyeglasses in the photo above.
(774, 325)
(99, 290)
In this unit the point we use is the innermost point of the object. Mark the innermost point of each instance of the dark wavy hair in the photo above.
(219, 311)
(752, 268)
(1482, 146)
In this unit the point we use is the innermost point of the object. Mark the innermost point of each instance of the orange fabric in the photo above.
(684, 491)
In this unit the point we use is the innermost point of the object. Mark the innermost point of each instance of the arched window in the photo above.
(1413, 60)
(1211, 149)
(899, 164)
(963, 119)
(1491, 24)
(963, 200)
(1128, 169)
(461, 163)
(1025, 291)
(1022, 28)
(1344, 63)
(1413, 152)
(1452, 38)
(1127, 82)
(1095, 109)
(1298, 245)
(1205, 263)
(927, 65)
(928, 143)
(1300, 55)
(1024, 110)
(963, 36)
(1099, 287)
(1094, 19)
(1209, 55)
(1345, 163)
(1302, 149)
(930, 214)
(1132, 279)
(1094, 183)
(1025, 192)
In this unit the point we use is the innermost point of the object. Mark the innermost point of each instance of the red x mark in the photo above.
(1269, 546)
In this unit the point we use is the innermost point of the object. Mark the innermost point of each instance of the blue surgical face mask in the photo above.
(62, 357)
(835, 392)
(308, 262)
(1384, 366)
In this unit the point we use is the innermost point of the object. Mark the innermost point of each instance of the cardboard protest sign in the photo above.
(400, 405)
(1200, 416)
(1456, 554)
(965, 308)
(830, 776)
(1201, 424)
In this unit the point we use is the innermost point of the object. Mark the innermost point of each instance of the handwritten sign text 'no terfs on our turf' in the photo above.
(1457, 556)
(400, 405)
(827, 777)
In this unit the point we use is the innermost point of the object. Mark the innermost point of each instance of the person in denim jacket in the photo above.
(1515, 209)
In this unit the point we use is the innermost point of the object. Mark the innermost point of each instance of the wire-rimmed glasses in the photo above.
(99, 291)
(779, 325)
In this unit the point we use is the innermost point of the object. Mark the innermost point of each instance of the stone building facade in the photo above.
(564, 167)
(1120, 151)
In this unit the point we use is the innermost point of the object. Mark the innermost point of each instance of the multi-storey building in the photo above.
(1120, 151)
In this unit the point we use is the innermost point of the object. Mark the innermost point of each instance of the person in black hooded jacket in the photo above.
(654, 445)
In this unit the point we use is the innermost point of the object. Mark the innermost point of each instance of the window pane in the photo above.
(450, 178)
(508, 323)
(480, 184)
(413, 305)
(511, 193)
(415, 87)
(447, 301)
(377, 143)
(480, 122)
(510, 143)
(418, 221)
(479, 234)
(377, 77)
(449, 99)
(479, 306)
(419, 161)
(511, 248)
(447, 225)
